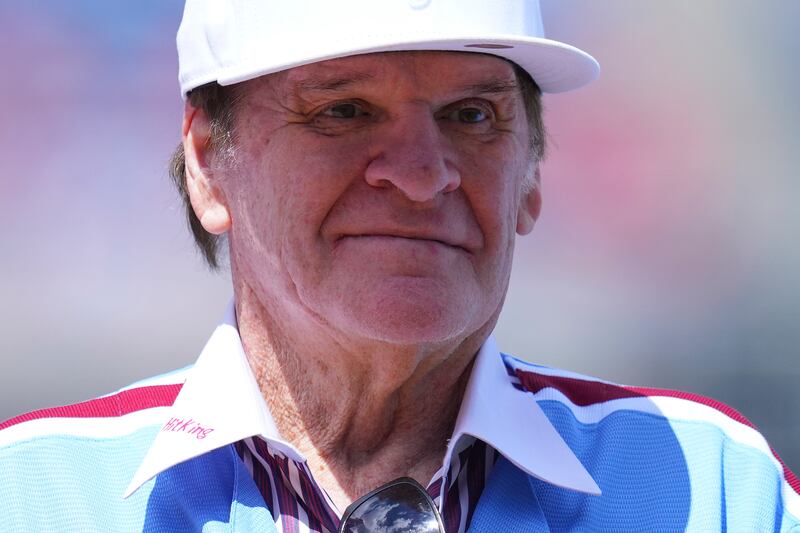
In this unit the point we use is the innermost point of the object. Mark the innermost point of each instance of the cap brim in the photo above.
(555, 66)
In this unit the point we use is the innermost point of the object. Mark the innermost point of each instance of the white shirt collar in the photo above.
(220, 403)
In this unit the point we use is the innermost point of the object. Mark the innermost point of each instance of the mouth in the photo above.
(392, 238)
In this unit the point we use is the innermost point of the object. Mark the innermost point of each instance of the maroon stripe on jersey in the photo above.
(579, 391)
(280, 507)
(587, 392)
(451, 510)
(313, 514)
(119, 404)
(287, 499)
(322, 518)
(317, 505)
(260, 475)
(263, 482)
(476, 477)
(434, 487)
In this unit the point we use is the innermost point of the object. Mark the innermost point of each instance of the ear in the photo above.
(530, 204)
(208, 200)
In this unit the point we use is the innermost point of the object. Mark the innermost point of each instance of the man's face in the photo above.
(380, 194)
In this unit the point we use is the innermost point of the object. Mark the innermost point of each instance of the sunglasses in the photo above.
(400, 506)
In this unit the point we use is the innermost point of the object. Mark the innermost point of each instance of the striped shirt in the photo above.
(666, 461)
(199, 450)
(299, 505)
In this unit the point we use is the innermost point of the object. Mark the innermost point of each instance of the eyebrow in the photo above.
(331, 83)
(496, 85)
(491, 86)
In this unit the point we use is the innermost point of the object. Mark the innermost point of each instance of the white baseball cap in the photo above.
(230, 41)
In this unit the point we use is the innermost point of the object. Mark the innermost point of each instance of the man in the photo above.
(370, 168)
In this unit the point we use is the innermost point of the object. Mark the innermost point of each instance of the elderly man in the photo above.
(370, 163)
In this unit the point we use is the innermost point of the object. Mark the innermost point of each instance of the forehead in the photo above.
(395, 71)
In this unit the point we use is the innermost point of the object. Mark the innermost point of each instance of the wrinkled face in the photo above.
(379, 194)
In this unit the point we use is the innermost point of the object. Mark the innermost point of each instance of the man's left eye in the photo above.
(469, 114)
(344, 110)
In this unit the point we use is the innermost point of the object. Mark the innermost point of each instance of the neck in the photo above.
(361, 412)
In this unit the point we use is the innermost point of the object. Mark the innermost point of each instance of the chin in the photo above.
(410, 311)
(395, 330)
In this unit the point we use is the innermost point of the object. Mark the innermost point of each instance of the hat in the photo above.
(229, 41)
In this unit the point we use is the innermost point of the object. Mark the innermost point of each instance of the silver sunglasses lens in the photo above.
(400, 508)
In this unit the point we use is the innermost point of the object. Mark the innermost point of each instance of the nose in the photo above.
(410, 154)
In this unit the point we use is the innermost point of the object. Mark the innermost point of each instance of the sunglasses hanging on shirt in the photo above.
(402, 505)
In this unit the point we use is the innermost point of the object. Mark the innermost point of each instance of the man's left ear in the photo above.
(530, 205)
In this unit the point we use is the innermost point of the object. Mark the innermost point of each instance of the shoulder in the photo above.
(583, 394)
(113, 414)
(590, 400)
(79, 456)
(664, 443)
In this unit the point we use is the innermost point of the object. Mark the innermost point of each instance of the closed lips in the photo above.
(421, 238)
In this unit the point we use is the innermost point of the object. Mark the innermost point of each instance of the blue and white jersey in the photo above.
(574, 454)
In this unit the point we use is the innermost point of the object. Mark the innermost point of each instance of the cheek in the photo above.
(493, 187)
(286, 192)
(294, 181)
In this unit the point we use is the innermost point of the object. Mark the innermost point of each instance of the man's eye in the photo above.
(470, 114)
(344, 110)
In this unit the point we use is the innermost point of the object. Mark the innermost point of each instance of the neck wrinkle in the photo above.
(325, 403)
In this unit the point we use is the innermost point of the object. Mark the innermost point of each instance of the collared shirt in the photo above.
(220, 404)
(298, 504)
(665, 460)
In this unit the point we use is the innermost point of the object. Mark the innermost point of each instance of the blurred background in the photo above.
(666, 255)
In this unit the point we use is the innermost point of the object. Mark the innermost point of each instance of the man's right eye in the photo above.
(344, 110)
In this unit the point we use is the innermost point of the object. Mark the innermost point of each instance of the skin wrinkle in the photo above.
(363, 362)
(281, 376)
(221, 103)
